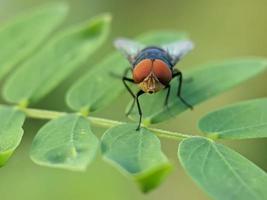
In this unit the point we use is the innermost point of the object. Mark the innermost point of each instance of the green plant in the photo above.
(67, 140)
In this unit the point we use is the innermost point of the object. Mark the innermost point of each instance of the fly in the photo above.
(152, 68)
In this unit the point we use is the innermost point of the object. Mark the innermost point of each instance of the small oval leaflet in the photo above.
(221, 172)
(136, 154)
(66, 142)
(11, 131)
(239, 121)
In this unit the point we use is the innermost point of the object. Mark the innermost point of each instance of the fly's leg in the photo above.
(180, 81)
(168, 88)
(139, 93)
(124, 79)
(135, 97)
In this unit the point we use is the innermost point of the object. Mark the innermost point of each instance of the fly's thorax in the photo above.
(153, 53)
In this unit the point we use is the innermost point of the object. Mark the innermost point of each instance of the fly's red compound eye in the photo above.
(162, 71)
(142, 70)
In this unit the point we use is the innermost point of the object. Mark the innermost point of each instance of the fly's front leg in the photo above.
(125, 80)
(135, 97)
(131, 93)
(179, 91)
(139, 93)
(168, 88)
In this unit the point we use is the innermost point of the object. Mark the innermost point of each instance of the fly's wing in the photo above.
(128, 48)
(177, 50)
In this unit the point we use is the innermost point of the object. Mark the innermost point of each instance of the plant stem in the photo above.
(101, 122)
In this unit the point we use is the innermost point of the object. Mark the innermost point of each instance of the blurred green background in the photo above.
(220, 29)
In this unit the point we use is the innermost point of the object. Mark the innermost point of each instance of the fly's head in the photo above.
(152, 75)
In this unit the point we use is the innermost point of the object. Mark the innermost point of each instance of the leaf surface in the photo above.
(66, 142)
(221, 172)
(56, 60)
(137, 154)
(11, 132)
(239, 121)
(21, 36)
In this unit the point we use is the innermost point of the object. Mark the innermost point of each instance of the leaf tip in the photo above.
(4, 157)
(151, 179)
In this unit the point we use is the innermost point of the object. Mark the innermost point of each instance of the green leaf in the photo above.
(202, 83)
(11, 132)
(98, 87)
(221, 172)
(239, 121)
(56, 61)
(20, 37)
(137, 154)
(66, 142)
